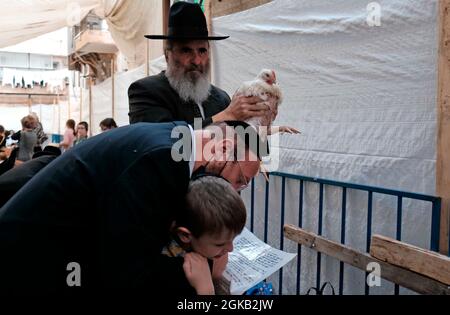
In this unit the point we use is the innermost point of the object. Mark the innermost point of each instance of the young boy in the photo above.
(204, 231)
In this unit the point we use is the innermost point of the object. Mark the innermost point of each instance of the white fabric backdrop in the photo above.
(364, 98)
(23, 20)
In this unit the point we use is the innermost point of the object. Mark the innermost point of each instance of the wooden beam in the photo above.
(403, 277)
(90, 106)
(165, 19)
(113, 83)
(69, 109)
(29, 104)
(428, 263)
(56, 102)
(225, 7)
(208, 15)
(443, 124)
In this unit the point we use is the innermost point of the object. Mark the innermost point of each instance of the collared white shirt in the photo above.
(202, 111)
(192, 160)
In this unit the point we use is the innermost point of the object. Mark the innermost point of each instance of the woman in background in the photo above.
(69, 135)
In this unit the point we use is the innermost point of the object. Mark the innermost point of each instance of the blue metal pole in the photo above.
(399, 231)
(369, 234)
(319, 256)
(300, 223)
(435, 225)
(283, 193)
(252, 208)
(266, 213)
(343, 219)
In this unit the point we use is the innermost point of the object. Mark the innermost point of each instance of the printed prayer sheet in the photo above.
(251, 262)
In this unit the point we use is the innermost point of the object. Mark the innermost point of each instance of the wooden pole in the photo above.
(29, 103)
(68, 102)
(81, 96)
(55, 104)
(443, 124)
(165, 19)
(147, 58)
(113, 66)
(59, 113)
(90, 107)
(208, 15)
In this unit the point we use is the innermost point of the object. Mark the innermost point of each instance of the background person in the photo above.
(69, 135)
(107, 124)
(82, 133)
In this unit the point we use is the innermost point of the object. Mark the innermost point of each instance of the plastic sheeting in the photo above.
(364, 98)
(23, 20)
(128, 20)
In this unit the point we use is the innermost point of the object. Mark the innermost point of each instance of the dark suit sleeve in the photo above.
(146, 106)
(165, 276)
(141, 205)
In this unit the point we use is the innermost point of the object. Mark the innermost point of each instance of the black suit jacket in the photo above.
(107, 205)
(152, 99)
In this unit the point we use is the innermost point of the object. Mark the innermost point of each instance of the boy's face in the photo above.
(213, 246)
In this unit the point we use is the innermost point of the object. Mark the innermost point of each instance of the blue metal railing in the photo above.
(435, 218)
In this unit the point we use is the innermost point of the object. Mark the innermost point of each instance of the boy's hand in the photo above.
(197, 272)
(219, 266)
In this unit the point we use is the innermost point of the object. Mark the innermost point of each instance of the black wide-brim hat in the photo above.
(186, 22)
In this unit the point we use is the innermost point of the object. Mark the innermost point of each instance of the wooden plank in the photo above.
(225, 7)
(443, 124)
(165, 18)
(403, 277)
(414, 258)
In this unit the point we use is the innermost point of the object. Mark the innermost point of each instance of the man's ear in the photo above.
(166, 55)
(184, 234)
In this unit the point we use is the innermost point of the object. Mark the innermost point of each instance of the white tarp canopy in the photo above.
(364, 97)
(23, 20)
(127, 20)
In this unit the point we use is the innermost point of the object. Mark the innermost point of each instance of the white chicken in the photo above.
(265, 87)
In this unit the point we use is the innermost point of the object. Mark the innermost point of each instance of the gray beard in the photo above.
(186, 87)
